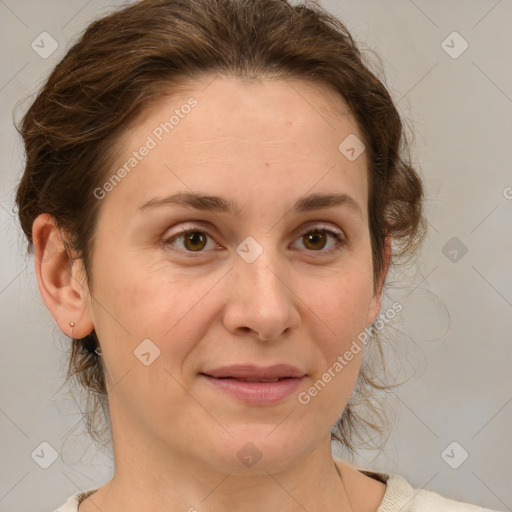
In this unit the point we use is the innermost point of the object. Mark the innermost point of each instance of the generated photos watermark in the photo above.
(305, 397)
(152, 140)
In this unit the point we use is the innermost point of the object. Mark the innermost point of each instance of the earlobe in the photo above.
(59, 279)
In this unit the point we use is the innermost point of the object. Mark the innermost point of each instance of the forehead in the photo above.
(220, 132)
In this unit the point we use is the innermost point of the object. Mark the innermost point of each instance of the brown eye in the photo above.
(317, 239)
(195, 240)
(192, 240)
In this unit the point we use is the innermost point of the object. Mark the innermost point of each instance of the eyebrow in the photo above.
(220, 204)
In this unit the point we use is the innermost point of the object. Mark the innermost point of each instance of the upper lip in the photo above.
(249, 371)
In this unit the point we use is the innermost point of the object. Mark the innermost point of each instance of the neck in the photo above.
(150, 478)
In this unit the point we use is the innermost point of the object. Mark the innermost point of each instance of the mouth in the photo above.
(249, 372)
(241, 379)
(256, 385)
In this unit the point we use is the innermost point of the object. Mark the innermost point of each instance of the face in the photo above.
(270, 279)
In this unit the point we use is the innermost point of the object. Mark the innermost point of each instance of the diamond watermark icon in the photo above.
(146, 352)
(454, 455)
(454, 45)
(249, 250)
(44, 455)
(44, 45)
(454, 249)
(352, 147)
(249, 454)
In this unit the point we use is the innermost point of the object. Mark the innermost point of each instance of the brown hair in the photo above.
(130, 58)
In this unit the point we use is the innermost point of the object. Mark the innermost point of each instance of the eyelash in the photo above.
(340, 240)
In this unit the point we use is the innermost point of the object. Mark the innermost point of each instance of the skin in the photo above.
(176, 437)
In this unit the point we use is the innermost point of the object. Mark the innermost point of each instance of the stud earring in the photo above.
(72, 325)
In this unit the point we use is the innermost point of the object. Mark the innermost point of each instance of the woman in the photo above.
(215, 191)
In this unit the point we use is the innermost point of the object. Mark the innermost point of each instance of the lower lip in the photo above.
(257, 393)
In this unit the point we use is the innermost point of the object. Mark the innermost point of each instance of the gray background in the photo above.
(457, 308)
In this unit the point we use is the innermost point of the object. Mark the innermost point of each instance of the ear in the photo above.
(60, 279)
(376, 301)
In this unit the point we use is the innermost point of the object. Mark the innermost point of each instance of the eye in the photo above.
(315, 239)
(195, 240)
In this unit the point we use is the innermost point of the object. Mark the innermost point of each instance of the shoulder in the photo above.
(74, 501)
(401, 495)
(428, 500)
(387, 492)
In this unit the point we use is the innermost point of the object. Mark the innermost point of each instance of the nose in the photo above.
(262, 300)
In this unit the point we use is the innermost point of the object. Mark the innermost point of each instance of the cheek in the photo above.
(341, 304)
(173, 311)
(339, 319)
(329, 391)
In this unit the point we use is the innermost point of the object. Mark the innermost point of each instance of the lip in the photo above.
(230, 379)
(250, 371)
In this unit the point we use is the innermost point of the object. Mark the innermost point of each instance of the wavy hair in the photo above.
(130, 58)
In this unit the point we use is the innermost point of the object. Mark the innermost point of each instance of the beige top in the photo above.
(399, 496)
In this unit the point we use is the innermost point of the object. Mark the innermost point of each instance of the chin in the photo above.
(260, 448)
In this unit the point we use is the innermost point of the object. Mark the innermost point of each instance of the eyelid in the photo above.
(337, 234)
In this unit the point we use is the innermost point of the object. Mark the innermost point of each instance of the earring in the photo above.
(72, 325)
